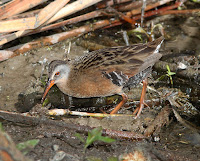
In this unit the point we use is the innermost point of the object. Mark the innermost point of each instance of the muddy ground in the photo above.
(21, 89)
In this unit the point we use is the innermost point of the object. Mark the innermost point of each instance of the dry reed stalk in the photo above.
(149, 7)
(42, 17)
(49, 40)
(31, 22)
(69, 9)
(181, 11)
(17, 6)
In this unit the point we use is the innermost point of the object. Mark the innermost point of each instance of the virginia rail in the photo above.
(105, 72)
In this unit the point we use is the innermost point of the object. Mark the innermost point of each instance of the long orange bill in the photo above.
(49, 85)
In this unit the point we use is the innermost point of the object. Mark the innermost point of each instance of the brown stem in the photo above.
(77, 19)
(180, 11)
(38, 121)
(148, 7)
(161, 119)
(159, 11)
(49, 40)
(17, 6)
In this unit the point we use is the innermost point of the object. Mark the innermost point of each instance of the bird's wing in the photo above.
(124, 61)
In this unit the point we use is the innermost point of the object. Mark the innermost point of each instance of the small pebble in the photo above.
(181, 66)
(156, 138)
(59, 156)
(55, 147)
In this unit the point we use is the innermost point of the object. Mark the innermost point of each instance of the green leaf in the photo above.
(96, 131)
(168, 74)
(106, 139)
(196, 1)
(27, 145)
(139, 36)
(159, 26)
(96, 134)
(79, 137)
(139, 30)
(46, 101)
(161, 77)
(93, 136)
(168, 69)
(171, 73)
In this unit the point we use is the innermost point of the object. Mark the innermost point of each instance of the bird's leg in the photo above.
(136, 110)
(124, 99)
(142, 103)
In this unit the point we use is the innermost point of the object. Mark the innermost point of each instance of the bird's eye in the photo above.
(57, 74)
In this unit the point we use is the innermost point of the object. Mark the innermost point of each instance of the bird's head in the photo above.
(58, 74)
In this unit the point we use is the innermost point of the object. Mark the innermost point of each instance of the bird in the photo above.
(106, 72)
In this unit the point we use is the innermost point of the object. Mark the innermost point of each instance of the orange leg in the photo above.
(124, 99)
(136, 110)
(142, 103)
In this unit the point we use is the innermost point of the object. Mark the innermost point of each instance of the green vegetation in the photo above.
(26, 146)
(139, 32)
(46, 101)
(94, 135)
(168, 74)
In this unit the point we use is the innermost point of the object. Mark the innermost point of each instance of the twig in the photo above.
(148, 7)
(131, 6)
(37, 121)
(159, 11)
(77, 19)
(48, 12)
(91, 46)
(36, 21)
(123, 134)
(27, 24)
(60, 112)
(123, 17)
(147, 14)
(17, 6)
(31, 22)
(161, 119)
(180, 11)
(53, 26)
(25, 14)
(110, 3)
(49, 40)
(185, 122)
